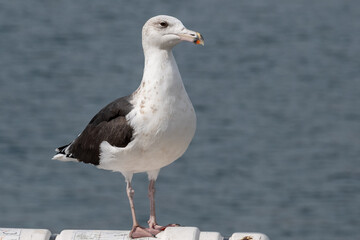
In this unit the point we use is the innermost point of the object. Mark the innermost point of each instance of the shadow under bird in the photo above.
(148, 129)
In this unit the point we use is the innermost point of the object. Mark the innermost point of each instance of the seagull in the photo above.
(148, 129)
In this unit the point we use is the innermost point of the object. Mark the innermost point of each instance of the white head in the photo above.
(164, 32)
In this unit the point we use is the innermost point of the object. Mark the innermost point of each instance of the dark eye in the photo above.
(164, 24)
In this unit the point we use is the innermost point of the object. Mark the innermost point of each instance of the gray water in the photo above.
(276, 91)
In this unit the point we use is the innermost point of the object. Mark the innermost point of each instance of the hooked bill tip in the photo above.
(199, 39)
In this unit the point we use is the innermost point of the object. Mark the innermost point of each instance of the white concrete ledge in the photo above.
(248, 236)
(24, 234)
(170, 233)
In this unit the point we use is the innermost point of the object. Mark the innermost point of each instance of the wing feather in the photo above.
(110, 125)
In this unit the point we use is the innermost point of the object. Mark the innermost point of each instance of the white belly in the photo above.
(163, 131)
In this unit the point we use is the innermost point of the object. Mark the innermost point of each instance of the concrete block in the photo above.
(24, 234)
(170, 233)
(180, 233)
(248, 236)
(94, 235)
(210, 236)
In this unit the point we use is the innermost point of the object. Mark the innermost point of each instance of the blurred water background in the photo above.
(276, 91)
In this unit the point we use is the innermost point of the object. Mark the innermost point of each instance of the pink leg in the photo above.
(136, 231)
(154, 228)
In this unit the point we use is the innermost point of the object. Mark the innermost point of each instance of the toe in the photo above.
(155, 228)
(158, 227)
(153, 231)
(139, 232)
(172, 225)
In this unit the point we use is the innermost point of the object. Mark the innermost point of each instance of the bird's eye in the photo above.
(164, 24)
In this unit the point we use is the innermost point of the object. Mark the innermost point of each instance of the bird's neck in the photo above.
(161, 69)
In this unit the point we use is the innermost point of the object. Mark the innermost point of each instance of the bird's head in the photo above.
(164, 32)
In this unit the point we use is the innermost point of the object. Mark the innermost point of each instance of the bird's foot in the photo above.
(139, 232)
(155, 228)
(172, 225)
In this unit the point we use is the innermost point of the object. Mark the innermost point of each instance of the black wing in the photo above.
(110, 125)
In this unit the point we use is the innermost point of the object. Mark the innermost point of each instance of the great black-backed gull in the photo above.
(148, 129)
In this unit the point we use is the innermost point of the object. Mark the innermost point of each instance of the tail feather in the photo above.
(62, 149)
(63, 154)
